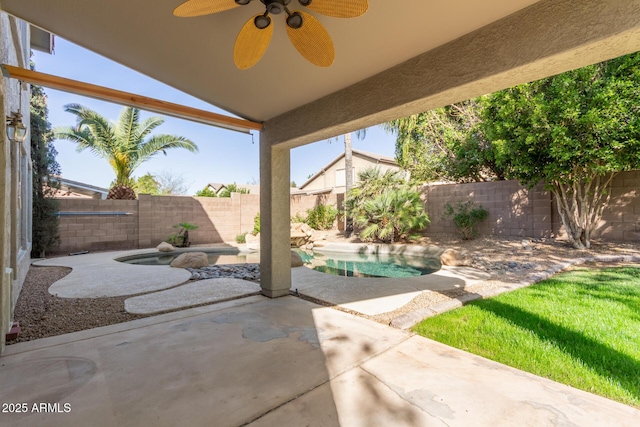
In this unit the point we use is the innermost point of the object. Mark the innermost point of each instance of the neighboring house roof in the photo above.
(377, 158)
(69, 188)
(218, 187)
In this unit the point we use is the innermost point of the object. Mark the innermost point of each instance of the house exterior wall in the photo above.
(327, 178)
(15, 174)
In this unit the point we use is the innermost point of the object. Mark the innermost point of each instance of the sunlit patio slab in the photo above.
(96, 275)
(191, 294)
(373, 296)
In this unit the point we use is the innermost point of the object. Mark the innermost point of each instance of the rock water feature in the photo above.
(236, 271)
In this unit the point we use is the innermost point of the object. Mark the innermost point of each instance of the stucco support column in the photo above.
(275, 243)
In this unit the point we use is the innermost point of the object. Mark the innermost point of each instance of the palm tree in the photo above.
(125, 144)
(392, 215)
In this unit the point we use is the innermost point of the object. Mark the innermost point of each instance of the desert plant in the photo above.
(181, 239)
(466, 216)
(298, 218)
(392, 216)
(256, 224)
(321, 217)
(241, 238)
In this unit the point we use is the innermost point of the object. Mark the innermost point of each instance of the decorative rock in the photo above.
(296, 260)
(300, 234)
(252, 242)
(526, 245)
(191, 260)
(165, 247)
(452, 257)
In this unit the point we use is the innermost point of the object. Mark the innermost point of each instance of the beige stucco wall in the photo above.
(327, 178)
(15, 175)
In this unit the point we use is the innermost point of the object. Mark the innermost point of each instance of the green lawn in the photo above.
(581, 328)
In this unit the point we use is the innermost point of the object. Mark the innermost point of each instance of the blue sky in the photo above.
(224, 156)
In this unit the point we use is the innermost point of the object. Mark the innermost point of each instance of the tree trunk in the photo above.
(348, 172)
(580, 206)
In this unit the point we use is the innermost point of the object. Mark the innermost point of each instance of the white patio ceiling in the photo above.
(195, 55)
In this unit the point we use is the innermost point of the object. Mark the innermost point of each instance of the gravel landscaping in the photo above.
(508, 261)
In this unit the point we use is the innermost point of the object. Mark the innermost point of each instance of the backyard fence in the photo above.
(514, 211)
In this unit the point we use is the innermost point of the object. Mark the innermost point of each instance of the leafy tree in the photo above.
(170, 184)
(232, 188)
(125, 145)
(293, 184)
(44, 168)
(445, 144)
(147, 184)
(574, 132)
(206, 192)
(386, 207)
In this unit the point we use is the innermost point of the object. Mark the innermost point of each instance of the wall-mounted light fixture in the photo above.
(16, 130)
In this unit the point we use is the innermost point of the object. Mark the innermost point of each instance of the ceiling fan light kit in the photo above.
(307, 34)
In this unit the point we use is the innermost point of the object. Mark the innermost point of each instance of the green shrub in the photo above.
(321, 217)
(241, 238)
(298, 218)
(392, 216)
(466, 216)
(256, 224)
(206, 192)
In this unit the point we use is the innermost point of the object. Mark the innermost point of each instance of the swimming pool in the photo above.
(368, 265)
(219, 257)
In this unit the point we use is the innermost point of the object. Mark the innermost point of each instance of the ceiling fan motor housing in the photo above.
(276, 6)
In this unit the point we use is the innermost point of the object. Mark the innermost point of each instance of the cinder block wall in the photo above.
(621, 219)
(90, 224)
(152, 220)
(513, 210)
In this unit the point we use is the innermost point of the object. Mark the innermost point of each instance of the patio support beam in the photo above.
(130, 99)
(275, 241)
(547, 38)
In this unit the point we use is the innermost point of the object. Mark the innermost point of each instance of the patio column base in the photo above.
(275, 293)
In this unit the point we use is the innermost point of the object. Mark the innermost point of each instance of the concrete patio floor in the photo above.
(282, 362)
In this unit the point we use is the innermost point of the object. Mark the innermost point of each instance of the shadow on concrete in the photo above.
(255, 361)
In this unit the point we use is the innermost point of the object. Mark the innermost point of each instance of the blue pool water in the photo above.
(368, 265)
(219, 257)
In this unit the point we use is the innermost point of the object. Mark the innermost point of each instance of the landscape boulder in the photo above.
(252, 242)
(453, 257)
(296, 260)
(191, 260)
(300, 234)
(165, 247)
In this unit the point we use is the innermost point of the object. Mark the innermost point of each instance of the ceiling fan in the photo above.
(306, 33)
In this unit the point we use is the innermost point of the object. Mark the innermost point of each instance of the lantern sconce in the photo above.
(16, 130)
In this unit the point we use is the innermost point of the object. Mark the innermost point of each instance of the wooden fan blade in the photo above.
(340, 8)
(203, 7)
(312, 41)
(251, 44)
